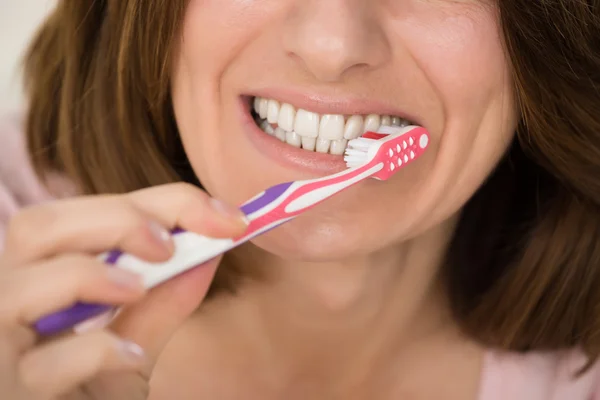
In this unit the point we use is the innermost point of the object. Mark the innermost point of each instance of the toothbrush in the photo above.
(377, 155)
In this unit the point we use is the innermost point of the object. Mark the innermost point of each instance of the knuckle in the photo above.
(28, 375)
(27, 378)
(103, 348)
(129, 208)
(7, 287)
(188, 191)
(136, 224)
(23, 225)
(126, 217)
(77, 265)
(79, 272)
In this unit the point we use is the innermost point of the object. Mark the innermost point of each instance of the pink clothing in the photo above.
(505, 376)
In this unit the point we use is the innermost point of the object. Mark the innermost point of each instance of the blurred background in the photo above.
(19, 20)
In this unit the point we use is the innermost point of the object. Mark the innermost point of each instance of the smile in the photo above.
(321, 133)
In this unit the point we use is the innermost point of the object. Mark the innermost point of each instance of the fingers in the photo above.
(46, 267)
(188, 207)
(152, 322)
(59, 366)
(132, 223)
(93, 224)
(19, 338)
(27, 294)
(129, 222)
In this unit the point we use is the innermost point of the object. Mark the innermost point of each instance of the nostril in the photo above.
(329, 39)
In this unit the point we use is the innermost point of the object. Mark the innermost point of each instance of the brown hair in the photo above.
(523, 271)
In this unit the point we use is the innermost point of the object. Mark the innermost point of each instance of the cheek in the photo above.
(215, 32)
(459, 49)
(459, 53)
(214, 35)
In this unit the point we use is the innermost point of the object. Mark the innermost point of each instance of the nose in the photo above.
(330, 38)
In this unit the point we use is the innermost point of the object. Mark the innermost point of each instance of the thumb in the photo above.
(151, 322)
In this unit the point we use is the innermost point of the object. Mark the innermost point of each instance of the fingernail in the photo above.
(132, 352)
(227, 210)
(160, 232)
(124, 278)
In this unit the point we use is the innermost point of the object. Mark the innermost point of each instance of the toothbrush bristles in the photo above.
(361, 143)
(357, 150)
(359, 146)
(354, 152)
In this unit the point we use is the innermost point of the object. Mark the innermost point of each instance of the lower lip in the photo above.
(284, 154)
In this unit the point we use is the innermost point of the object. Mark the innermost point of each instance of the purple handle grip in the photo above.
(69, 317)
(268, 196)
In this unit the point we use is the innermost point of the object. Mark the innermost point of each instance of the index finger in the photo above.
(128, 222)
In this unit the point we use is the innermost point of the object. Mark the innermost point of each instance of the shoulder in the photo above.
(19, 185)
(539, 376)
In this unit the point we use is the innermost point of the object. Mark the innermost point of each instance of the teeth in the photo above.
(309, 143)
(327, 133)
(287, 115)
(280, 134)
(307, 123)
(338, 146)
(257, 105)
(354, 127)
(332, 127)
(273, 111)
(372, 123)
(323, 145)
(293, 138)
(263, 108)
(266, 126)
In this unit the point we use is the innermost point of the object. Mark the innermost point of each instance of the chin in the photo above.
(247, 155)
(325, 244)
(326, 235)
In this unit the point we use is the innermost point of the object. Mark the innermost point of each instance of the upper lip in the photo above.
(322, 103)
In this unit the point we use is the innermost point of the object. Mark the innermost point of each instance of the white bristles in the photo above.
(350, 163)
(357, 150)
(389, 130)
(354, 152)
(361, 143)
(360, 150)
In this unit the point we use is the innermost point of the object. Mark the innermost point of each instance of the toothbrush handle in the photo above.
(271, 208)
(69, 317)
(204, 249)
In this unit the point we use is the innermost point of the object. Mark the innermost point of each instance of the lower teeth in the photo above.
(335, 147)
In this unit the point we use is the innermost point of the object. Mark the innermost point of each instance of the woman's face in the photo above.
(435, 63)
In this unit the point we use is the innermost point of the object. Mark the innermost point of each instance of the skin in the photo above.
(349, 305)
(342, 272)
(45, 270)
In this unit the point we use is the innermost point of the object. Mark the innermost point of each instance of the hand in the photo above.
(49, 263)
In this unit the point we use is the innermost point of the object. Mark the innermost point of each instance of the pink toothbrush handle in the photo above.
(70, 317)
(273, 207)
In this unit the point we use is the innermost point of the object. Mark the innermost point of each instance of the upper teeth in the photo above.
(323, 133)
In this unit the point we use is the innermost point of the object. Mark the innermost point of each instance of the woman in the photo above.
(473, 274)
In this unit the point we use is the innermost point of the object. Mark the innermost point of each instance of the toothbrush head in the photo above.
(394, 147)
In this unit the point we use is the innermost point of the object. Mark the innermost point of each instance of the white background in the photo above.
(19, 20)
